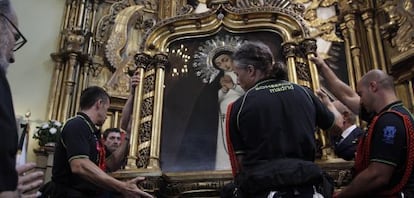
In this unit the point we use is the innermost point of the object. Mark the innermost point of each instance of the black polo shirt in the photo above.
(277, 119)
(79, 139)
(389, 142)
(8, 132)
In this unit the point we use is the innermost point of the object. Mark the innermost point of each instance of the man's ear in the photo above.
(98, 103)
(251, 70)
(373, 85)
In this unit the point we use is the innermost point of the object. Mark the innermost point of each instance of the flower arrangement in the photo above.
(48, 132)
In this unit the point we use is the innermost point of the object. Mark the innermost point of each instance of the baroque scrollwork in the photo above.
(119, 36)
(186, 9)
(323, 26)
(270, 3)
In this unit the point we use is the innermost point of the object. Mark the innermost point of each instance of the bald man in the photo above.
(383, 160)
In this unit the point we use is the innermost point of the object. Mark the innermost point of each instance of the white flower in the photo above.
(52, 130)
(57, 123)
(45, 126)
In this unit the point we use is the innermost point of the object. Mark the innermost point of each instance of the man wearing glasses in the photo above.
(13, 180)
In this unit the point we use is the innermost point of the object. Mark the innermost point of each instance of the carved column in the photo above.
(147, 115)
(142, 61)
(161, 62)
(55, 87)
(351, 27)
(289, 50)
(68, 86)
(94, 8)
(309, 47)
(355, 48)
(350, 68)
(374, 46)
(84, 65)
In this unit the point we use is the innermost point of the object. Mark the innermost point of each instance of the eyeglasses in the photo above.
(19, 38)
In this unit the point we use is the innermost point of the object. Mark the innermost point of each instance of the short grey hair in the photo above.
(6, 10)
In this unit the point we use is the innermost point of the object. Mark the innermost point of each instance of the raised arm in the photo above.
(128, 107)
(342, 91)
(115, 161)
(336, 128)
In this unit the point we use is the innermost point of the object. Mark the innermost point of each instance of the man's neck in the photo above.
(386, 99)
(91, 115)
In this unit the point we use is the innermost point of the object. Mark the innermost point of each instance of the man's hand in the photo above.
(319, 62)
(135, 80)
(323, 97)
(28, 179)
(339, 120)
(132, 189)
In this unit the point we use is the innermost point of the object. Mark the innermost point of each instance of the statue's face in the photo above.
(224, 62)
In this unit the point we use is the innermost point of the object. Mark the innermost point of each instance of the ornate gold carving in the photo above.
(399, 28)
(309, 46)
(289, 49)
(142, 60)
(161, 60)
(287, 4)
(303, 71)
(146, 111)
(186, 9)
(240, 19)
(118, 38)
(325, 28)
(74, 41)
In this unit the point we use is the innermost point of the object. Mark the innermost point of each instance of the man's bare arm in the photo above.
(128, 107)
(375, 177)
(127, 113)
(89, 171)
(342, 91)
(336, 128)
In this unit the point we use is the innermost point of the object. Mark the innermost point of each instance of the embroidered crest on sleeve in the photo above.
(389, 134)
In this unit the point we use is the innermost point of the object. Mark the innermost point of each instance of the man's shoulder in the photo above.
(75, 122)
(391, 115)
(358, 131)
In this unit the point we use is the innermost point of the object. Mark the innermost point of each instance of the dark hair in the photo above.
(278, 71)
(90, 95)
(256, 54)
(110, 130)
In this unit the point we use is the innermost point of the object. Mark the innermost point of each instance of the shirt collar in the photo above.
(86, 117)
(390, 106)
(348, 131)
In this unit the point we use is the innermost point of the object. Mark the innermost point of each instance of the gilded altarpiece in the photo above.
(174, 44)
